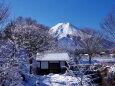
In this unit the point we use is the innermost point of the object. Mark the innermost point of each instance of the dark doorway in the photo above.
(54, 67)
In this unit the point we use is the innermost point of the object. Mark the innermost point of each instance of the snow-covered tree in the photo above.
(31, 38)
(9, 65)
(90, 43)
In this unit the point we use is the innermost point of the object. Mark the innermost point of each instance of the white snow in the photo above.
(104, 59)
(64, 29)
(54, 57)
(112, 69)
(85, 60)
(64, 33)
(56, 80)
(61, 80)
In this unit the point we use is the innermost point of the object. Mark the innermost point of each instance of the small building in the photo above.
(52, 63)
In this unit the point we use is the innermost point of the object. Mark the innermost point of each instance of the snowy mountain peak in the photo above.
(63, 30)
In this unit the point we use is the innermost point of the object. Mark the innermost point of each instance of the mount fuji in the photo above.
(63, 33)
(68, 30)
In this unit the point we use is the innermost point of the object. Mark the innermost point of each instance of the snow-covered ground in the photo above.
(104, 59)
(56, 80)
(85, 60)
(65, 79)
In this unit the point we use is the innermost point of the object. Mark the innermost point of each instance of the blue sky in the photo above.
(81, 13)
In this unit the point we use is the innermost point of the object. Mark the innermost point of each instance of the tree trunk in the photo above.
(90, 58)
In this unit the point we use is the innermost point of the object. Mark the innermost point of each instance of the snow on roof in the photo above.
(53, 57)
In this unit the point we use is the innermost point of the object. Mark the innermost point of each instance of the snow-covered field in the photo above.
(85, 60)
(61, 79)
(56, 80)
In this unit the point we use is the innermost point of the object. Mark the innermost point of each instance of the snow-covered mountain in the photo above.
(68, 30)
(64, 33)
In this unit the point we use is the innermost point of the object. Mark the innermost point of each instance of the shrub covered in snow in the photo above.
(9, 65)
(109, 80)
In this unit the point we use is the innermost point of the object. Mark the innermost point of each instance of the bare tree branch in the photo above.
(89, 43)
(109, 24)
